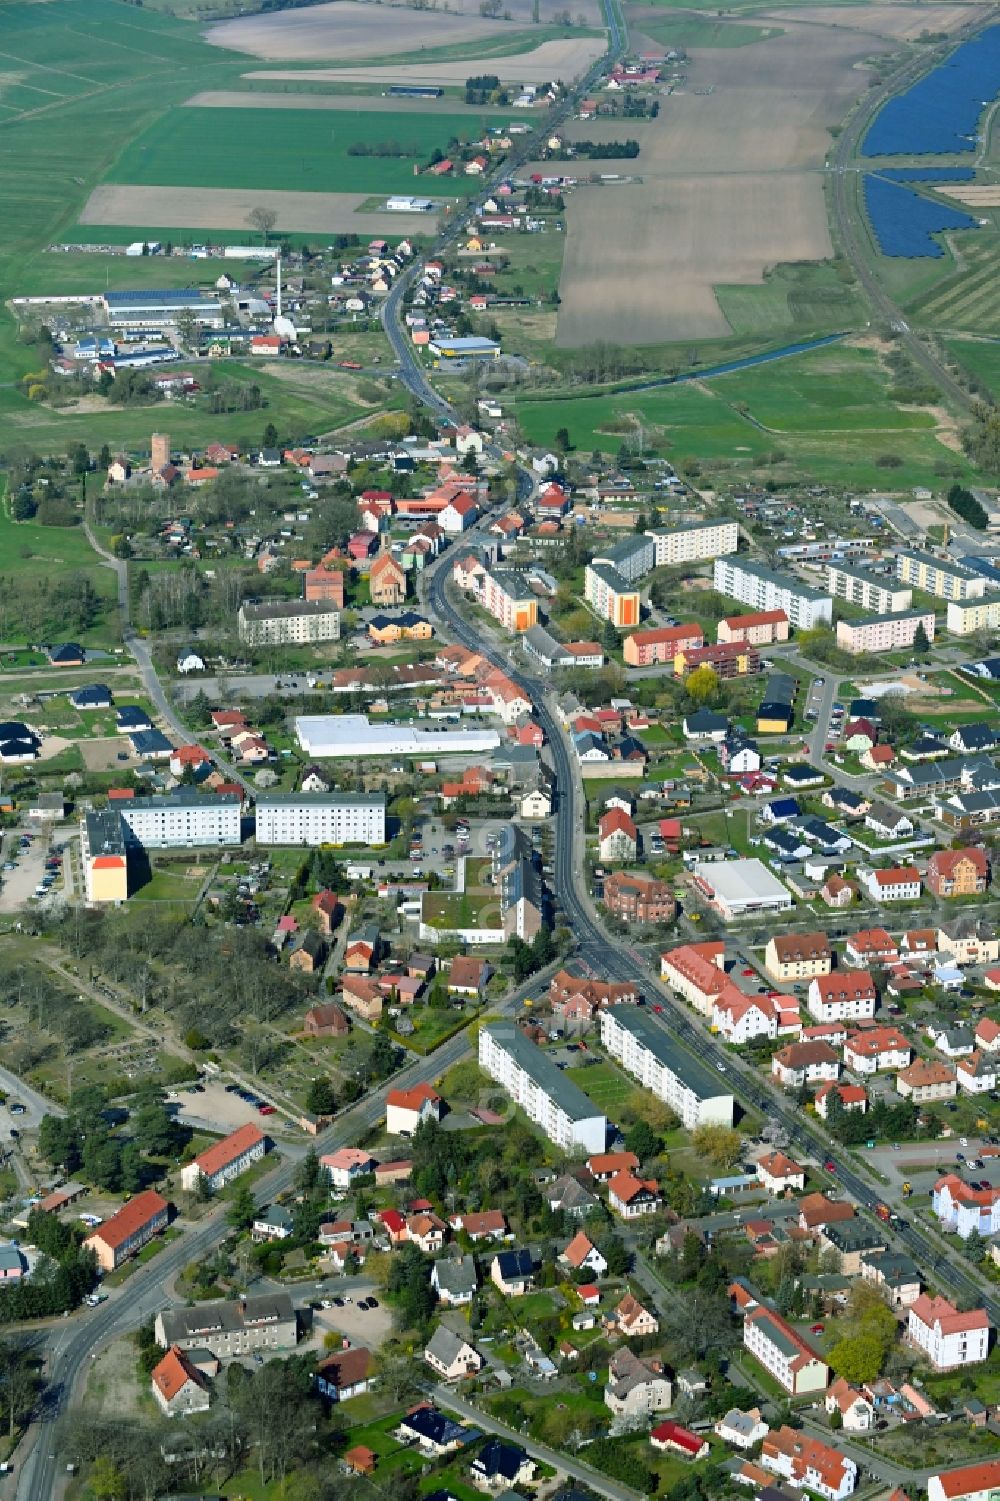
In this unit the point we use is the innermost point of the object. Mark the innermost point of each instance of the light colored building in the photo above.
(177, 1386)
(763, 589)
(633, 557)
(760, 628)
(939, 576)
(742, 1429)
(927, 1080)
(784, 1354)
(548, 1098)
(184, 818)
(451, 1356)
(879, 593)
(405, 1109)
(636, 1387)
(610, 596)
(882, 633)
(124, 1234)
(738, 887)
(323, 736)
(315, 818)
(698, 1095)
(510, 599)
(291, 622)
(695, 542)
(978, 1482)
(798, 956)
(965, 617)
(900, 884)
(241, 1327)
(225, 1160)
(809, 1464)
(104, 857)
(847, 995)
(780, 1175)
(948, 1338)
(661, 644)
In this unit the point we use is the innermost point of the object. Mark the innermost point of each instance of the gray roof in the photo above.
(284, 609)
(105, 832)
(568, 1193)
(702, 1082)
(947, 565)
(780, 580)
(608, 574)
(543, 1072)
(321, 799)
(182, 797)
(226, 1318)
(445, 1344)
(456, 1274)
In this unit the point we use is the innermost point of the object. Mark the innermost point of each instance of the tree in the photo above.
(702, 685)
(241, 1208)
(308, 1172)
(642, 1140)
(320, 1097)
(563, 441)
(921, 644)
(262, 219)
(975, 1246)
(721, 1145)
(617, 1255)
(858, 1357)
(269, 437)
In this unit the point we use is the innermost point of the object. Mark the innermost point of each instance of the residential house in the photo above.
(326, 1020)
(927, 1080)
(346, 1165)
(582, 1255)
(631, 1197)
(793, 1363)
(851, 1096)
(179, 1388)
(512, 1272)
(798, 956)
(801, 1063)
(617, 837)
(345, 1374)
(948, 1338)
(780, 1175)
(898, 884)
(870, 1051)
(500, 1467)
(963, 872)
(432, 1431)
(870, 946)
(226, 1160)
(125, 1233)
(636, 1387)
(451, 1356)
(468, 976)
(484, 1224)
(406, 1108)
(809, 1464)
(842, 996)
(680, 1440)
(455, 1280)
(632, 1320)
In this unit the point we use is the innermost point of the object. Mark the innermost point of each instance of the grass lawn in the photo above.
(603, 1084)
(33, 553)
(981, 358)
(446, 910)
(824, 416)
(245, 148)
(168, 886)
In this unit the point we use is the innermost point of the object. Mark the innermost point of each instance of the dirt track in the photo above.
(351, 29)
(732, 182)
(227, 208)
(558, 59)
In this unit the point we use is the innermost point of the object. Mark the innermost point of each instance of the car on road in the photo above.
(817, 1328)
(963, 1141)
(748, 974)
(15, 1107)
(720, 1065)
(830, 1165)
(265, 1109)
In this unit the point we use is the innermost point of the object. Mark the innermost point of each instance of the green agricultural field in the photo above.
(695, 32)
(981, 357)
(804, 298)
(297, 150)
(967, 299)
(823, 416)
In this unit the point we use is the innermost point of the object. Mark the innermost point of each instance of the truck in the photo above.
(907, 1190)
(883, 1212)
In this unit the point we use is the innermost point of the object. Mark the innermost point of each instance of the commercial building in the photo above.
(696, 1094)
(694, 543)
(314, 818)
(326, 736)
(882, 633)
(104, 857)
(737, 887)
(158, 308)
(948, 1338)
(872, 591)
(639, 899)
(966, 616)
(661, 644)
(509, 598)
(548, 1098)
(759, 628)
(610, 596)
(125, 1233)
(939, 576)
(225, 1160)
(242, 1327)
(783, 1353)
(287, 622)
(184, 818)
(763, 589)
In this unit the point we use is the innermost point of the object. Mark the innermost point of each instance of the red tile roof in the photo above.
(215, 1158)
(130, 1218)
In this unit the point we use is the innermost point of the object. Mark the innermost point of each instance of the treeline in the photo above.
(62, 1278)
(44, 608)
(965, 504)
(612, 150)
(481, 87)
(383, 148)
(110, 1149)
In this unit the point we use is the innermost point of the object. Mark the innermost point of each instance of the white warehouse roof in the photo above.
(353, 735)
(741, 885)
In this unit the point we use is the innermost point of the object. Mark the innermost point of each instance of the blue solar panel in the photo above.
(941, 111)
(903, 221)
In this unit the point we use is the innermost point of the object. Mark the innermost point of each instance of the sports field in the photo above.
(297, 150)
(823, 417)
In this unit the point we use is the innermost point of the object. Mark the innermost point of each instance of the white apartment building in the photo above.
(948, 1338)
(763, 589)
(509, 599)
(547, 1097)
(808, 1463)
(695, 542)
(940, 576)
(881, 633)
(845, 995)
(610, 595)
(314, 818)
(182, 819)
(793, 1364)
(696, 1094)
(966, 616)
(872, 591)
(287, 622)
(633, 557)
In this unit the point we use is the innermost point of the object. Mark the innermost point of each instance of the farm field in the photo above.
(678, 31)
(800, 297)
(822, 417)
(729, 187)
(564, 58)
(175, 210)
(967, 298)
(895, 21)
(981, 357)
(347, 29)
(291, 150)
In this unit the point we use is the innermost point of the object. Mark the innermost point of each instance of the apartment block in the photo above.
(509, 598)
(695, 1093)
(125, 1233)
(633, 557)
(228, 1330)
(548, 1098)
(661, 644)
(809, 1464)
(760, 628)
(939, 576)
(872, 591)
(783, 1353)
(314, 818)
(610, 596)
(694, 543)
(948, 1338)
(846, 995)
(882, 633)
(104, 857)
(966, 616)
(182, 818)
(763, 589)
(291, 622)
(798, 956)
(225, 1160)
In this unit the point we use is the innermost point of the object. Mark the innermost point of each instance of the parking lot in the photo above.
(25, 851)
(362, 1326)
(215, 1108)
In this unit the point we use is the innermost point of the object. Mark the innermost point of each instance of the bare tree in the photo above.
(263, 220)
